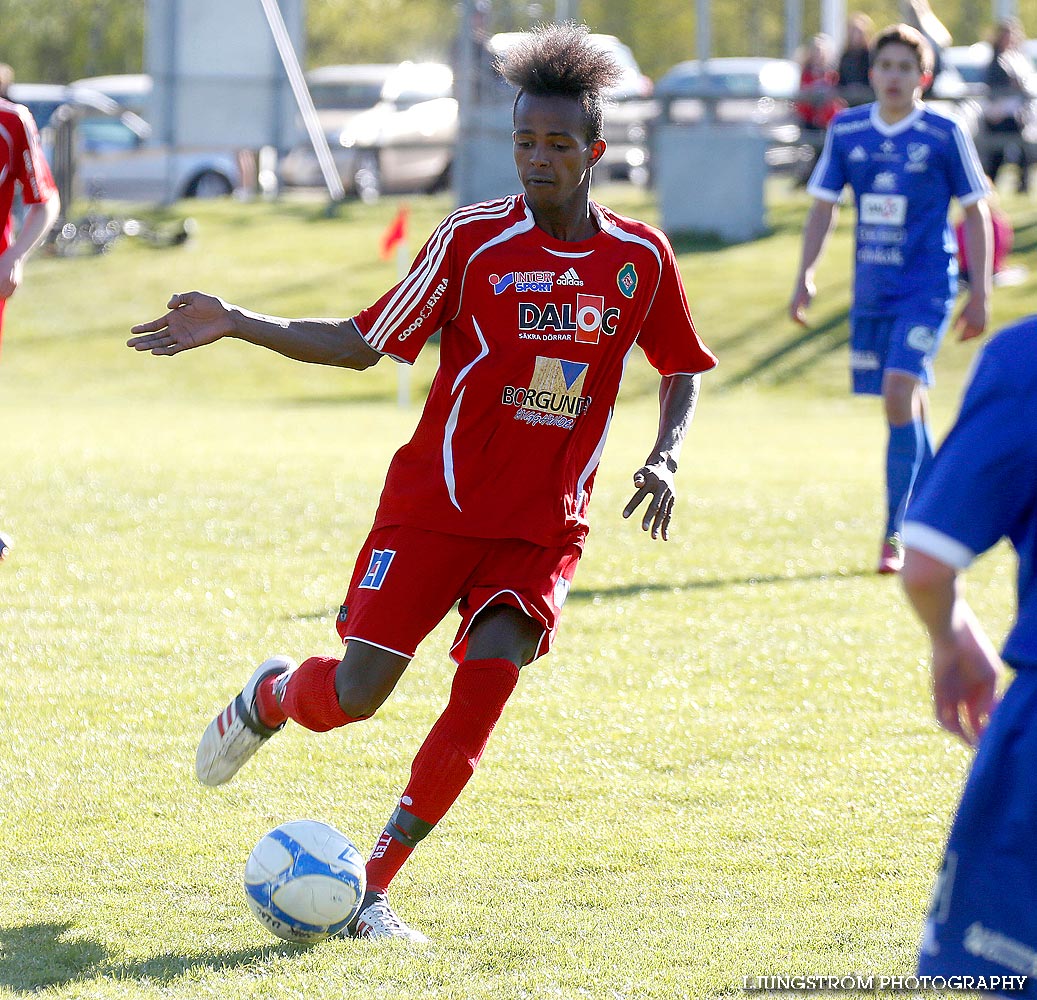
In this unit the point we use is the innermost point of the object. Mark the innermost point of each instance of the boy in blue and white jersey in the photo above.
(904, 163)
(983, 487)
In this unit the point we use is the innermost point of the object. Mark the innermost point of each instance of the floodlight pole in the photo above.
(301, 92)
(833, 21)
(464, 92)
(703, 29)
(793, 27)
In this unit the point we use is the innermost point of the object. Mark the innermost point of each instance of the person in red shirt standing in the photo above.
(21, 165)
(540, 298)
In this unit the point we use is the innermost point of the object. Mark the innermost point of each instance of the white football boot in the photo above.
(376, 919)
(236, 733)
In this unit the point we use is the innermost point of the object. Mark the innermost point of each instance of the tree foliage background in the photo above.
(60, 40)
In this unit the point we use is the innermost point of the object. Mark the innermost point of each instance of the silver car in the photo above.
(118, 161)
(339, 93)
(406, 141)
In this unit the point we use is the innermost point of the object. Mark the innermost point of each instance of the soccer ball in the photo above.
(304, 881)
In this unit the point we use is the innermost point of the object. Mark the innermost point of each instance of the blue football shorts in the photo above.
(983, 916)
(894, 343)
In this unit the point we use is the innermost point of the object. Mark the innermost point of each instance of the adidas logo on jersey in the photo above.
(569, 278)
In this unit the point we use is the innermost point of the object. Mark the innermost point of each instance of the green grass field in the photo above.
(726, 768)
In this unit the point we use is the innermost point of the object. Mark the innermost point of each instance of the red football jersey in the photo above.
(535, 337)
(21, 162)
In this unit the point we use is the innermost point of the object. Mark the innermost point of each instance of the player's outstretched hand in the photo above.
(965, 677)
(656, 482)
(194, 319)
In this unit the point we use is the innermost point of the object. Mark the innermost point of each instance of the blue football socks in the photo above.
(908, 456)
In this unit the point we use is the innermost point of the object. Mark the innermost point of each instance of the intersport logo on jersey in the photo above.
(584, 322)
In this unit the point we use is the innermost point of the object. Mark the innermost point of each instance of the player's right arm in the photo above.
(195, 319)
(820, 222)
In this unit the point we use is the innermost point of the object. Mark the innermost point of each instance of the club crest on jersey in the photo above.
(917, 157)
(524, 281)
(627, 280)
(554, 396)
(582, 324)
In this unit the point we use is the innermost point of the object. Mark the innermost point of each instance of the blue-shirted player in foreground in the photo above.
(982, 487)
(904, 162)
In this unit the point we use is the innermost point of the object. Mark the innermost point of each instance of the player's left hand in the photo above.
(657, 482)
(973, 319)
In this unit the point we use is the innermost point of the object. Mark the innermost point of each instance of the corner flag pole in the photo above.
(395, 238)
(303, 99)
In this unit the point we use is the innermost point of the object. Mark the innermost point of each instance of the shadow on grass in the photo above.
(1025, 238)
(580, 596)
(37, 956)
(811, 345)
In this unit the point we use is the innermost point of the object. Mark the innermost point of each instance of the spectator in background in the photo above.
(22, 165)
(818, 101)
(853, 72)
(1009, 117)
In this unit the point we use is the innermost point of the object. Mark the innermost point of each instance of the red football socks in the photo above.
(268, 708)
(309, 697)
(445, 761)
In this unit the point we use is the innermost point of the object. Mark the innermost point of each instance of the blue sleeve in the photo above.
(968, 181)
(980, 482)
(829, 176)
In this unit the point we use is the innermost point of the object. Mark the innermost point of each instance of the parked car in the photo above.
(761, 92)
(131, 90)
(339, 94)
(43, 99)
(739, 89)
(406, 141)
(971, 62)
(627, 113)
(117, 158)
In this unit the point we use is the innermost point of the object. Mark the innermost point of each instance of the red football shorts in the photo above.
(406, 580)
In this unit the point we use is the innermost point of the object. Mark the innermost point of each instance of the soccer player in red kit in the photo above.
(21, 165)
(540, 299)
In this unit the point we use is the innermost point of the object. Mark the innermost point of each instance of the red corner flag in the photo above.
(395, 234)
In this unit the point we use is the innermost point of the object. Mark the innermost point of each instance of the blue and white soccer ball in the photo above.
(304, 881)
